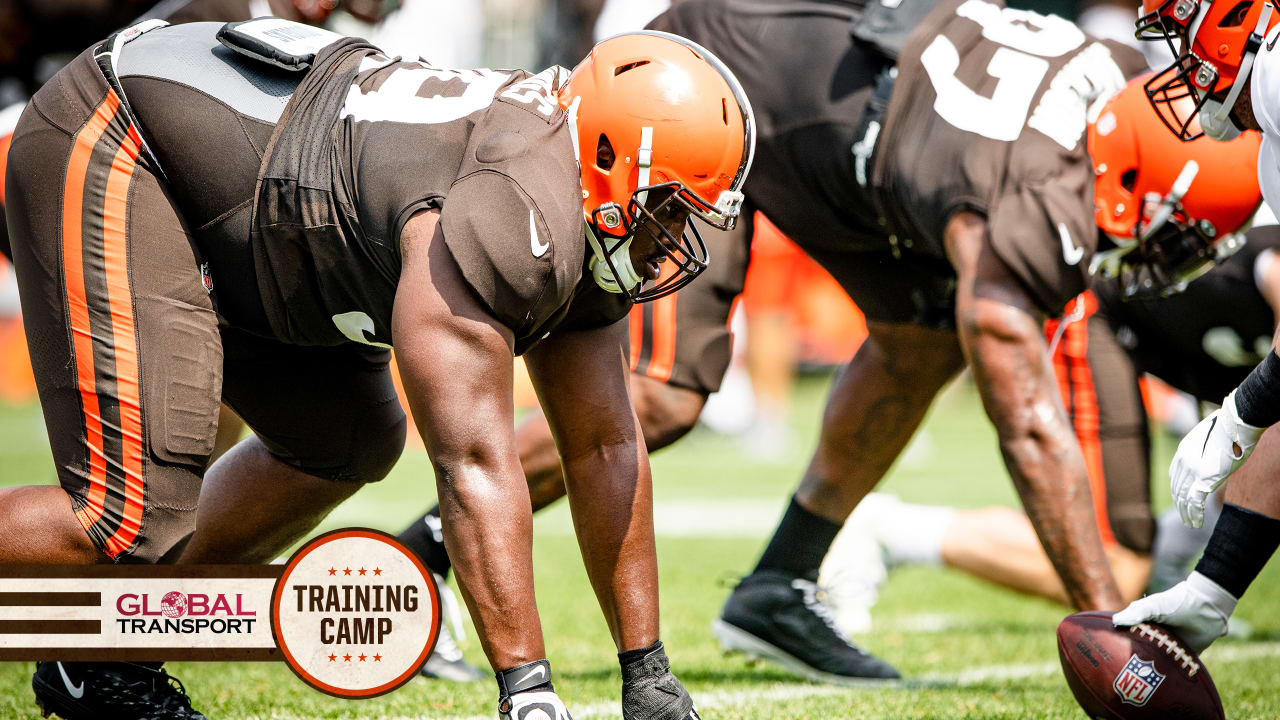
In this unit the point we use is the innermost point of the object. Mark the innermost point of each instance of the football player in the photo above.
(40, 37)
(1221, 50)
(1162, 204)
(935, 164)
(356, 201)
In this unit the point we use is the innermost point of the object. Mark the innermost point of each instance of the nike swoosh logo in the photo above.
(1070, 252)
(75, 692)
(1206, 435)
(540, 671)
(539, 248)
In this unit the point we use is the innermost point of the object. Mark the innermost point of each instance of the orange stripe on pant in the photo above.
(78, 306)
(663, 358)
(635, 324)
(120, 296)
(1083, 403)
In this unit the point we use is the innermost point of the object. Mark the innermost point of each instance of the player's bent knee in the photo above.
(928, 356)
(1134, 531)
(666, 412)
(374, 449)
(379, 454)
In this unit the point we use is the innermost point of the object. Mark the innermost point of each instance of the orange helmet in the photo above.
(1171, 207)
(1214, 43)
(659, 124)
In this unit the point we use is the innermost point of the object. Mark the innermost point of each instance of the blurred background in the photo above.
(793, 318)
(717, 495)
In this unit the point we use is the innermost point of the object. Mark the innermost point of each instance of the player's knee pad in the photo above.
(1134, 528)
(379, 450)
(375, 443)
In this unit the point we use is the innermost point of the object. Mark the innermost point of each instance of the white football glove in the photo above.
(1206, 456)
(541, 705)
(1196, 609)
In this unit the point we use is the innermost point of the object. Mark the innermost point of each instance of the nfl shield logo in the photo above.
(1138, 681)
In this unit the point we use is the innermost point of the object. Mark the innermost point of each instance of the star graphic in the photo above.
(362, 571)
(346, 658)
(377, 658)
(346, 571)
(333, 658)
(377, 571)
(333, 571)
(362, 657)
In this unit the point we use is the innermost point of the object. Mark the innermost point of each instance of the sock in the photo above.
(800, 542)
(1242, 543)
(425, 537)
(910, 534)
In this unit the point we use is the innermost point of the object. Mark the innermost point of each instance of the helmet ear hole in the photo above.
(1236, 16)
(604, 153)
(629, 66)
(1129, 180)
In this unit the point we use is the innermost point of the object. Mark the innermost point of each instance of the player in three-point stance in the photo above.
(355, 202)
(1226, 63)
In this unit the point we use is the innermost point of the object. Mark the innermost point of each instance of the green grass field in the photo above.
(986, 653)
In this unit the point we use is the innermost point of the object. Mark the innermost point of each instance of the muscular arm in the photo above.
(1002, 340)
(456, 364)
(581, 379)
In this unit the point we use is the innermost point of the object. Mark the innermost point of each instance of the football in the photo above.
(1139, 673)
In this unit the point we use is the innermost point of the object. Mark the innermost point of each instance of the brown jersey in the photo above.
(489, 149)
(988, 113)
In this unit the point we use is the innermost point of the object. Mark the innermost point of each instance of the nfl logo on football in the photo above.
(1138, 681)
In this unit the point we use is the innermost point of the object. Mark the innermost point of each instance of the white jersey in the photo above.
(1265, 89)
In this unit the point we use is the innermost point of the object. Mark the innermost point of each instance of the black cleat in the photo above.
(776, 616)
(110, 691)
(445, 661)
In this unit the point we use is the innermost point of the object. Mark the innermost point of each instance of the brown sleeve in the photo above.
(487, 225)
(1045, 234)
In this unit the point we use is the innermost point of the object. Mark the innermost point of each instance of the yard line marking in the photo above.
(688, 518)
(779, 692)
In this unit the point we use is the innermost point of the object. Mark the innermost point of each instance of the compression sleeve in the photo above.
(1258, 397)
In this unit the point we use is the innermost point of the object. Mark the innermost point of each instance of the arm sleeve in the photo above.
(1258, 397)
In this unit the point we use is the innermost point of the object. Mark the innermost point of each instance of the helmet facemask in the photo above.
(649, 212)
(1168, 248)
(1191, 84)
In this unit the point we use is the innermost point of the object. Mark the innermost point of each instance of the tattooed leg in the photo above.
(874, 408)
(1005, 347)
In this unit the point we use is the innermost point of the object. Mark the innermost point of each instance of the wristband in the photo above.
(1258, 397)
(1242, 543)
(523, 678)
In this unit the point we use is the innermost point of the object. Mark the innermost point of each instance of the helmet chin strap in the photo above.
(623, 277)
(1216, 122)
